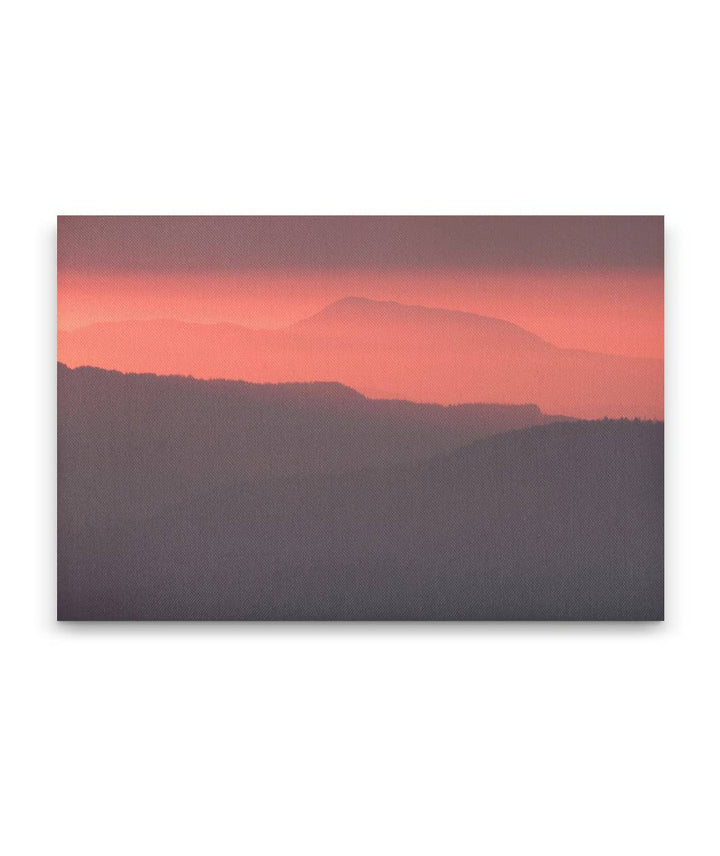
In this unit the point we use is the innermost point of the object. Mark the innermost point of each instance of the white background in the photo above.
(497, 739)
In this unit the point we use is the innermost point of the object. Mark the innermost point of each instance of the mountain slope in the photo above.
(131, 444)
(560, 521)
(373, 321)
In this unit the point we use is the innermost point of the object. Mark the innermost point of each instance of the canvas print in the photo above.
(360, 418)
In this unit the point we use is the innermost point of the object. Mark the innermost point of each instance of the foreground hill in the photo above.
(385, 350)
(561, 521)
(130, 444)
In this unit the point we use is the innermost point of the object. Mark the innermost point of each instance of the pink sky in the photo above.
(611, 311)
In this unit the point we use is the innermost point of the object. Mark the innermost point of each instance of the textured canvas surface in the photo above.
(360, 418)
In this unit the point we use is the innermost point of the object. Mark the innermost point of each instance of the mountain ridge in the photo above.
(385, 310)
(559, 522)
(174, 434)
(314, 385)
(428, 355)
(354, 301)
(363, 302)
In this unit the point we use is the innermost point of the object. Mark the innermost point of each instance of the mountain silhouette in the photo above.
(370, 320)
(386, 350)
(131, 444)
(561, 521)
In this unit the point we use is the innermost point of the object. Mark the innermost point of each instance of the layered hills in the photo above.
(384, 350)
(130, 444)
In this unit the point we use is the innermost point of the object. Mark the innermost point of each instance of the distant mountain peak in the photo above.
(361, 310)
(393, 307)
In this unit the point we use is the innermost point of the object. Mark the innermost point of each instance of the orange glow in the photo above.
(613, 312)
(240, 326)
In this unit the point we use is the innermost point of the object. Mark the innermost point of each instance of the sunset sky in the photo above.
(594, 283)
